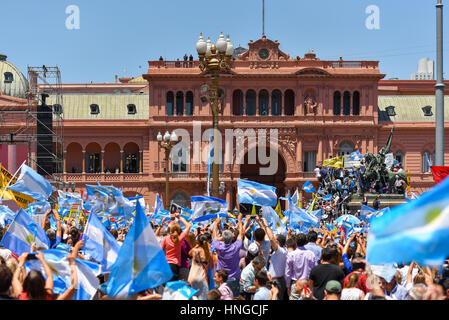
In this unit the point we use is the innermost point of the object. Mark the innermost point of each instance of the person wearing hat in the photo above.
(332, 291)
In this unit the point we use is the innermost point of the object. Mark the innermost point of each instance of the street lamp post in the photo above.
(215, 59)
(167, 142)
(439, 90)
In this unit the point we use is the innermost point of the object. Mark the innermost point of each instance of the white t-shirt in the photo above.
(317, 172)
(278, 262)
(351, 294)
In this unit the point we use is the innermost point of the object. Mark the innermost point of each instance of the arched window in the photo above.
(189, 103)
(179, 103)
(276, 103)
(94, 109)
(427, 161)
(346, 147)
(9, 77)
(170, 103)
(347, 103)
(399, 158)
(180, 157)
(131, 108)
(356, 103)
(237, 103)
(337, 103)
(251, 103)
(289, 103)
(263, 102)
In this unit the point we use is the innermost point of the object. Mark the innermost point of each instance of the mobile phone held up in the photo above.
(31, 256)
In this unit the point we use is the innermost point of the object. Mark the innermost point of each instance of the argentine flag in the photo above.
(6, 216)
(178, 290)
(157, 204)
(203, 205)
(297, 215)
(256, 193)
(100, 244)
(308, 187)
(21, 234)
(356, 156)
(141, 262)
(415, 231)
(32, 184)
(88, 272)
(273, 220)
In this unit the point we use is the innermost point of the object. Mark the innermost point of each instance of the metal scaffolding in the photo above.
(18, 124)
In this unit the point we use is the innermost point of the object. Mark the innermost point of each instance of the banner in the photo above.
(21, 199)
(334, 162)
(439, 173)
(389, 160)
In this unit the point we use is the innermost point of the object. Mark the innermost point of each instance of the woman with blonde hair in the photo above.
(172, 244)
(351, 292)
(202, 263)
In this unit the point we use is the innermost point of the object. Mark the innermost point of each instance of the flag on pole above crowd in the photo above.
(32, 184)
(256, 193)
(21, 234)
(141, 263)
(178, 290)
(308, 187)
(100, 244)
(203, 205)
(414, 231)
(21, 199)
(158, 205)
(356, 156)
(6, 216)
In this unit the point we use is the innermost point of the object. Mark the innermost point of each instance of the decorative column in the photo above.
(299, 159)
(102, 161)
(84, 161)
(282, 103)
(65, 163)
(121, 161)
(141, 161)
(320, 149)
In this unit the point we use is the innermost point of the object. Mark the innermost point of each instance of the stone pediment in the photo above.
(264, 50)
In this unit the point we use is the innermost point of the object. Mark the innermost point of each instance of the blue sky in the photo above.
(117, 35)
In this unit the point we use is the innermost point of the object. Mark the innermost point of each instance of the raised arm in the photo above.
(48, 273)
(186, 224)
(240, 227)
(263, 223)
(19, 275)
(70, 292)
(410, 272)
(45, 219)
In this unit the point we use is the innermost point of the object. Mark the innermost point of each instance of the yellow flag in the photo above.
(313, 203)
(278, 210)
(253, 211)
(334, 162)
(21, 199)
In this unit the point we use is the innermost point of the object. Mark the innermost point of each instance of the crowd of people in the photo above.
(244, 260)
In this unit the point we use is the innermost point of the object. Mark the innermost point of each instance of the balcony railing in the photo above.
(103, 177)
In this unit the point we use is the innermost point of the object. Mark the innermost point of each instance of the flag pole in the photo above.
(9, 182)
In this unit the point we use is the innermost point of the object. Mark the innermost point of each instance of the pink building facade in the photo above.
(320, 109)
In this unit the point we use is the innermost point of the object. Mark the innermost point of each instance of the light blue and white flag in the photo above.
(256, 193)
(386, 271)
(32, 184)
(141, 262)
(178, 290)
(328, 197)
(88, 273)
(158, 205)
(308, 187)
(366, 213)
(100, 244)
(356, 156)
(108, 199)
(414, 231)
(297, 215)
(295, 197)
(202, 205)
(273, 220)
(6, 216)
(21, 234)
(207, 217)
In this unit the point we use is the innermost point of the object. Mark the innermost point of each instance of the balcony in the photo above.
(103, 177)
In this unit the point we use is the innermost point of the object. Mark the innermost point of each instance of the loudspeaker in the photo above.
(44, 128)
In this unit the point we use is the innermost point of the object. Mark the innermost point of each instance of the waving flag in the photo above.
(141, 262)
(157, 204)
(100, 244)
(88, 272)
(334, 162)
(108, 199)
(207, 217)
(366, 213)
(21, 199)
(32, 184)
(178, 290)
(6, 216)
(297, 215)
(439, 173)
(21, 234)
(256, 193)
(308, 187)
(356, 155)
(415, 231)
(273, 220)
(202, 205)
(328, 197)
